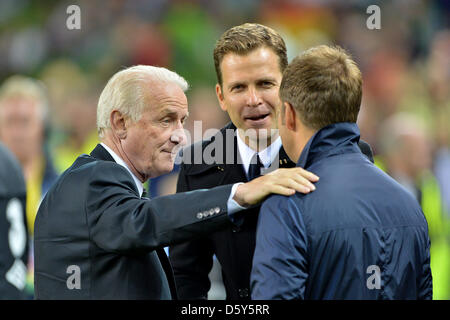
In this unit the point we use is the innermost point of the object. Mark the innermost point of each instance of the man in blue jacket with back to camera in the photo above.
(360, 235)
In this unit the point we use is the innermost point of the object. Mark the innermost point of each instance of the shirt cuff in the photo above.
(233, 207)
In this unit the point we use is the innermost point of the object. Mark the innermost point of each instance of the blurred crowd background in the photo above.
(51, 78)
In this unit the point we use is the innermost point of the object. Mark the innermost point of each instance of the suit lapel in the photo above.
(235, 171)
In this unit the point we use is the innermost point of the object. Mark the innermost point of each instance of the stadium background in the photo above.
(405, 66)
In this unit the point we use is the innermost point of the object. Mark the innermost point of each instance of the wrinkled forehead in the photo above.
(167, 98)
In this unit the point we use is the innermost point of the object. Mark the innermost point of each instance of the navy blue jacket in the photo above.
(359, 235)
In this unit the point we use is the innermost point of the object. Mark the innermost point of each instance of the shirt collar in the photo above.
(119, 160)
(267, 156)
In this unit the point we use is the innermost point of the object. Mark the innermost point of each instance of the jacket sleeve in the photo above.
(280, 267)
(122, 222)
(192, 260)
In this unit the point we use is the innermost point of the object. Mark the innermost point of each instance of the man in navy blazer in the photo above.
(96, 234)
(360, 235)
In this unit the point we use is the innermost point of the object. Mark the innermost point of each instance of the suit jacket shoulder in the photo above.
(208, 153)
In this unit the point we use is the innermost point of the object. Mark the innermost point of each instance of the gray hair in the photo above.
(126, 92)
(29, 88)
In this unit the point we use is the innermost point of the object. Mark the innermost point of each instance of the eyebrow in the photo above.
(231, 85)
(267, 79)
(172, 113)
(270, 79)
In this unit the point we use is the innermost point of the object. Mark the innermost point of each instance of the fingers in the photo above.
(297, 179)
(304, 182)
(298, 171)
(306, 174)
(287, 185)
(282, 181)
(283, 190)
(301, 185)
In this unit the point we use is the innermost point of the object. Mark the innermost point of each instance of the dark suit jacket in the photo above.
(234, 247)
(93, 221)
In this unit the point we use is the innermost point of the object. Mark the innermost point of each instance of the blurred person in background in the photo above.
(249, 61)
(23, 114)
(442, 155)
(405, 153)
(438, 67)
(77, 118)
(13, 228)
(73, 95)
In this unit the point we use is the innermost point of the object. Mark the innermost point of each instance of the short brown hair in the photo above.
(245, 38)
(324, 85)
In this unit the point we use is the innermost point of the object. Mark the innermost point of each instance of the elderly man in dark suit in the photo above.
(96, 234)
(249, 61)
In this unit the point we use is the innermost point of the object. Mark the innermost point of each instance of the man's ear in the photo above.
(220, 97)
(290, 116)
(118, 124)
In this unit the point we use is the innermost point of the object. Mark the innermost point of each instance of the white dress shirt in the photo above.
(267, 156)
(118, 160)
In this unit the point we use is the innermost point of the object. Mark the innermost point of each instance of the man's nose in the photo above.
(179, 137)
(253, 97)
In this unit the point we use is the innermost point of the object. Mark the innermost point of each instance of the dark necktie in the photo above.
(144, 194)
(254, 171)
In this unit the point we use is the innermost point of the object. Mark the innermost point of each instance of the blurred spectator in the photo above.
(193, 33)
(405, 154)
(23, 113)
(204, 108)
(78, 120)
(74, 95)
(439, 89)
(13, 228)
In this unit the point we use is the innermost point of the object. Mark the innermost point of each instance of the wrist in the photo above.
(239, 196)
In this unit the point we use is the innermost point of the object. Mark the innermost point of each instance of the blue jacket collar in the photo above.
(337, 138)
